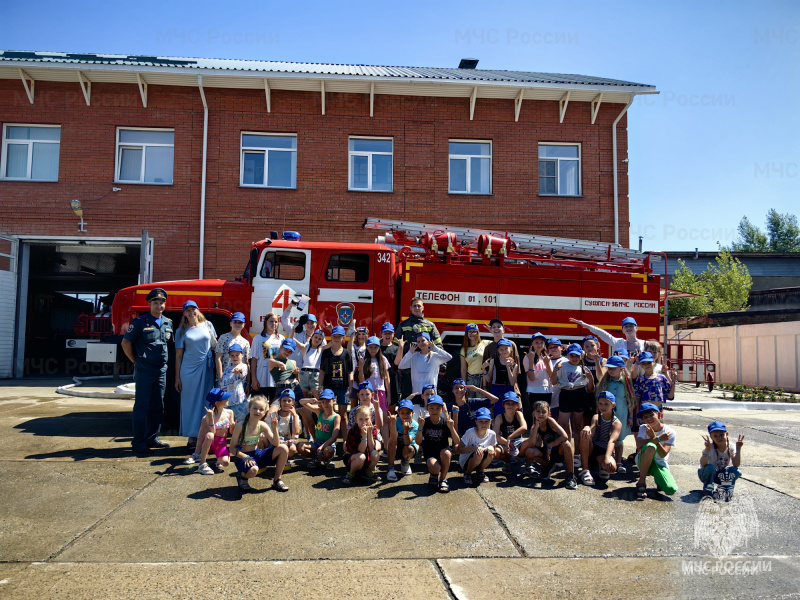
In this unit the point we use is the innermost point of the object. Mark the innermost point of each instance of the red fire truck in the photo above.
(532, 283)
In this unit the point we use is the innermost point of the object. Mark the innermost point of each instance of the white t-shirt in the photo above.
(541, 381)
(670, 441)
(471, 439)
(263, 349)
(424, 368)
(571, 376)
(721, 460)
(311, 358)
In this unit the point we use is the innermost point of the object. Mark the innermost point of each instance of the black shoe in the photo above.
(139, 449)
(157, 443)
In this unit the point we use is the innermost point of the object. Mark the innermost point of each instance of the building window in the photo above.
(269, 160)
(470, 167)
(30, 152)
(284, 265)
(371, 164)
(348, 267)
(559, 170)
(145, 155)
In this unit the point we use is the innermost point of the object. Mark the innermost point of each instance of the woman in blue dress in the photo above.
(195, 341)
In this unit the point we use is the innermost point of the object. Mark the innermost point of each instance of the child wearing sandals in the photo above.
(323, 448)
(598, 440)
(214, 429)
(233, 379)
(247, 456)
(435, 435)
(720, 462)
(617, 381)
(361, 451)
(464, 408)
(547, 445)
(654, 442)
(654, 388)
(402, 436)
(478, 448)
(509, 427)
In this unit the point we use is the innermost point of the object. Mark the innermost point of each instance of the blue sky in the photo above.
(721, 141)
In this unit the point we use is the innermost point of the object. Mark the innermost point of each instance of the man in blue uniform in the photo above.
(145, 344)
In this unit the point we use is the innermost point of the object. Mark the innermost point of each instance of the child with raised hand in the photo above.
(477, 448)
(574, 380)
(501, 371)
(402, 436)
(509, 426)
(375, 369)
(288, 421)
(598, 440)
(649, 386)
(538, 368)
(323, 448)
(367, 399)
(547, 445)
(435, 435)
(424, 364)
(284, 370)
(361, 454)
(244, 447)
(233, 379)
(336, 372)
(719, 462)
(616, 381)
(214, 429)
(464, 408)
(653, 443)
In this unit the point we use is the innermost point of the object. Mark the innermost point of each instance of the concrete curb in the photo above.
(121, 392)
(730, 405)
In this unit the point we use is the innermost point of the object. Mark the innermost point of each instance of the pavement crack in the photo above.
(500, 521)
(769, 487)
(445, 580)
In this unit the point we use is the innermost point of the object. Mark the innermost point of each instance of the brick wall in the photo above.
(321, 207)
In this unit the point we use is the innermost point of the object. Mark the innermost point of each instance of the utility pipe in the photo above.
(614, 163)
(203, 182)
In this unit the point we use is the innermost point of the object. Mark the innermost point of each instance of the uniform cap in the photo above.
(156, 294)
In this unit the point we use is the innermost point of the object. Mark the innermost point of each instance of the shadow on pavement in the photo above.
(80, 424)
(161, 457)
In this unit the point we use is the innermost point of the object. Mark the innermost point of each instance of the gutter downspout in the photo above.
(614, 163)
(203, 182)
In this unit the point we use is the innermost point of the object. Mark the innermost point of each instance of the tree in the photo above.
(723, 287)
(783, 232)
(751, 238)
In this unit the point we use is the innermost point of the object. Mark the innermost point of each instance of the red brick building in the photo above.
(247, 147)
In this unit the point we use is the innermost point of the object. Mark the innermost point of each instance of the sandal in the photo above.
(242, 482)
(280, 486)
(586, 477)
(444, 487)
(329, 465)
(482, 477)
(432, 480)
(641, 491)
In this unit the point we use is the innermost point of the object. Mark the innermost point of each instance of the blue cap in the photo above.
(327, 394)
(319, 331)
(312, 318)
(387, 327)
(235, 348)
(538, 335)
(615, 361)
(496, 320)
(424, 334)
(554, 342)
(429, 386)
(504, 342)
(189, 304)
(459, 381)
(646, 407)
(483, 413)
(628, 321)
(607, 396)
(338, 330)
(471, 327)
(405, 404)
(366, 385)
(622, 352)
(289, 343)
(645, 357)
(435, 399)
(373, 340)
(511, 397)
(156, 294)
(287, 393)
(590, 337)
(237, 316)
(717, 426)
(575, 349)
(217, 395)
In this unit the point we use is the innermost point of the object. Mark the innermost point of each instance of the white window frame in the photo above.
(265, 151)
(143, 146)
(469, 170)
(352, 153)
(29, 143)
(558, 168)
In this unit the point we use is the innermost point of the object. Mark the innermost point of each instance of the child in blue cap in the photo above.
(509, 426)
(598, 440)
(652, 387)
(501, 371)
(403, 437)
(720, 462)
(233, 379)
(284, 370)
(336, 373)
(654, 443)
(477, 448)
(617, 381)
(436, 434)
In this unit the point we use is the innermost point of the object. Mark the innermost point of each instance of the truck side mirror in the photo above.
(252, 265)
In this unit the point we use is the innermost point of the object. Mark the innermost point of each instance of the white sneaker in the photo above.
(204, 469)
(194, 458)
(577, 460)
(405, 467)
(391, 475)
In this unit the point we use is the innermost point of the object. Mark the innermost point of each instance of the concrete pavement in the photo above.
(82, 517)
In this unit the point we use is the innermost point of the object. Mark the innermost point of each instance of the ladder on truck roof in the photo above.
(536, 244)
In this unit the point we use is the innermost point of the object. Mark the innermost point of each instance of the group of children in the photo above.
(580, 409)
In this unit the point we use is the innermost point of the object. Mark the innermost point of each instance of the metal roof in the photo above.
(759, 264)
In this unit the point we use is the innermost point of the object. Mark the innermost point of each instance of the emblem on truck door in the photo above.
(344, 312)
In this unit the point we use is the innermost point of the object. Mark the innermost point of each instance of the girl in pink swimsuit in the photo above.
(218, 422)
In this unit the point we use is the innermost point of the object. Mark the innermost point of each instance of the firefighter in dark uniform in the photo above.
(145, 344)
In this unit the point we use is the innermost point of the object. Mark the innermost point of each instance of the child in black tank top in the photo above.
(509, 427)
(547, 445)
